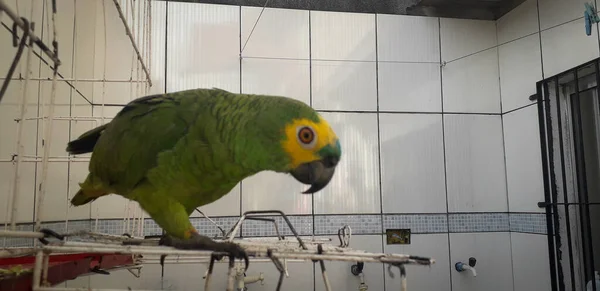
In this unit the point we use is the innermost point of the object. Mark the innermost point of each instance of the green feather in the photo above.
(189, 148)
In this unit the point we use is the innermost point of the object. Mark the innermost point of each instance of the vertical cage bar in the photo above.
(564, 185)
(545, 169)
(552, 184)
(582, 183)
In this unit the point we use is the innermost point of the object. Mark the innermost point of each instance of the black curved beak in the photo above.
(317, 174)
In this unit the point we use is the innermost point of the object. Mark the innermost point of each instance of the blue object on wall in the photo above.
(591, 17)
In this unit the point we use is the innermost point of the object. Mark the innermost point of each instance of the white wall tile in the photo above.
(59, 136)
(115, 92)
(471, 84)
(23, 9)
(55, 199)
(10, 110)
(64, 27)
(301, 276)
(412, 163)
(203, 47)
(340, 277)
(190, 276)
(355, 185)
(341, 85)
(85, 37)
(113, 56)
(157, 47)
(270, 190)
(520, 68)
(436, 277)
(342, 36)
(78, 171)
(519, 22)
(25, 199)
(289, 78)
(121, 279)
(113, 206)
(492, 252)
(531, 267)
(475, 163)
(403, 38)
(279, 33)
(556, 12)
(410, 87)
(227, 205)
(462, 37)
(559, 51)
(523, 160)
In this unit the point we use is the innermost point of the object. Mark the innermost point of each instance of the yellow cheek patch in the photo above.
(299, 153)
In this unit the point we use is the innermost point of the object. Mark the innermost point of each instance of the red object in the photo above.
(61, 268)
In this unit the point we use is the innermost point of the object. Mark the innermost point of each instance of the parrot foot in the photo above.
(200, 242)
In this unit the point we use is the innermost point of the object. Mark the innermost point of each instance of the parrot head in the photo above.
(314, 151)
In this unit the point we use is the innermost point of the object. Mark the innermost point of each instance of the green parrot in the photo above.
(175, 152)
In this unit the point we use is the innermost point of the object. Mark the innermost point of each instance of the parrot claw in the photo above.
(200, 242)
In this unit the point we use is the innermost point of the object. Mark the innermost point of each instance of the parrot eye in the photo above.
(306, 135)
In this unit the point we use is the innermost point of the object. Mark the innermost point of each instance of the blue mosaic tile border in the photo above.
(321, 224)
(528, 222)
(254, 228)
(359, 224)
(478, 222)
(418, 223)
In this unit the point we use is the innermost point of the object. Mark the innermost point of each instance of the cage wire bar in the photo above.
(47, 125)
(277, 250)
(550, 117)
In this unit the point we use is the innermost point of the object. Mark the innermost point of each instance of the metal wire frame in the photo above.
(548, 104)
(275, 250)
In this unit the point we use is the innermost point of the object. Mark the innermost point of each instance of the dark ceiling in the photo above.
(467, 9)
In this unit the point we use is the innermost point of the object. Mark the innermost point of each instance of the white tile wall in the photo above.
(410, 87)
(78, 171)
(402, 38)
(25, 199)
(420, 278)
(462, 37)
(412, 163)
(523, 160)
(355, 185)
(471, 84)
(520, 68)
(55, 200)
(340, 277)
(558, 49)
(557, 12)
(475, 163)
(342, 85)
(289, 78)
(190, 276)
(530, 263)
(10, 110)
(300, 276)
(22, 8)
(117, 46)
(279, 33)
(203, 46)
(157, 47)
(520, 22)
(270, 190)
(492, 252)
(228, 205)
(342, 36)
(59, 136)
(64, 26)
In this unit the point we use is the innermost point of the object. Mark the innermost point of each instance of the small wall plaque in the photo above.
(398, 236)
